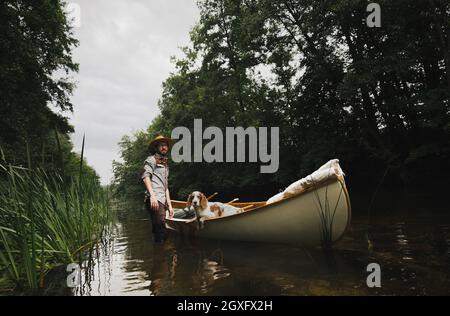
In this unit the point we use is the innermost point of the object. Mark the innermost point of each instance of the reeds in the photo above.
(46, 220)
(327, 214)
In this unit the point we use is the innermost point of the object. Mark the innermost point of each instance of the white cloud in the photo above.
(124, 56)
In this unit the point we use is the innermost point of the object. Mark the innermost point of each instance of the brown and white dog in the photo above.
(205, 210)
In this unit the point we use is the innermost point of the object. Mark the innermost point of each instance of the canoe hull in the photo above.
(297, 220)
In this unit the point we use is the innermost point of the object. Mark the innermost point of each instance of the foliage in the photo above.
(46, 221)
(35, 63)
(373, 97)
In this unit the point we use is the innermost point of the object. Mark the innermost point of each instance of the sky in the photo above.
(124, 57)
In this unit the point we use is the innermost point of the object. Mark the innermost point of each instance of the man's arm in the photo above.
(153, 200)
(149, 166)
(169, 203)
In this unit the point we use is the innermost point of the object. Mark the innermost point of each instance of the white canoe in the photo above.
(308, 219)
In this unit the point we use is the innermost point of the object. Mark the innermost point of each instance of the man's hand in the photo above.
(170, 211)
(154, 203)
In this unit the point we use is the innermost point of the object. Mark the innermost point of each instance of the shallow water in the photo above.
(412, 251)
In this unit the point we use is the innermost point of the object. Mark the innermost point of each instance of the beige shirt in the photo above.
(158, 174)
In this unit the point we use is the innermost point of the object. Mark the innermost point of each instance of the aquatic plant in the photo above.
(46, 220)
(326, 213)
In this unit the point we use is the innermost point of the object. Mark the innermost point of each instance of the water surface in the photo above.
(413, 252)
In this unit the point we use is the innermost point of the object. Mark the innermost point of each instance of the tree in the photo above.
(35, 61)
(377, 98)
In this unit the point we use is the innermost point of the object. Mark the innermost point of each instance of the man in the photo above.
(155, 177)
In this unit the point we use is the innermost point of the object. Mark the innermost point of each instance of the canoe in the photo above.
(320, 214)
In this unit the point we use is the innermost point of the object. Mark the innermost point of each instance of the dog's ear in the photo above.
(189, 201)
(203, 201)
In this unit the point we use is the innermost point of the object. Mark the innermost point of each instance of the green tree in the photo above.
(35, 62)
(376, 98)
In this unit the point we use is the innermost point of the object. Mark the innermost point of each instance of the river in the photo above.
(413, 252)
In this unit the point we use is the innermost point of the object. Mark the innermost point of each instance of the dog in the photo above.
(207, 210)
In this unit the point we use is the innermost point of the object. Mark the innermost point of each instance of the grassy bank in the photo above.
(46, 221)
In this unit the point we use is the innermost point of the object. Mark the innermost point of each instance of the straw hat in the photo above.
(159, 139)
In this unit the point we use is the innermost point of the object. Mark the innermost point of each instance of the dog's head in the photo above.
(197, 200)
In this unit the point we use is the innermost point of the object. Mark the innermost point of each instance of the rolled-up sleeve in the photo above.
(149, 167)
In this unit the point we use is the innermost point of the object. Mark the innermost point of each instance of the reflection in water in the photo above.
(402, 242)
(415, 260)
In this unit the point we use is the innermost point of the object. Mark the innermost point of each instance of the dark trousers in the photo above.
(158, 218)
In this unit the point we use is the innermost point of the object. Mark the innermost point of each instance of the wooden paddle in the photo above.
(212, 195)
(232, 201)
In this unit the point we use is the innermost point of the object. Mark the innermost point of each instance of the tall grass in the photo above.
(46, 220)
(326, 213)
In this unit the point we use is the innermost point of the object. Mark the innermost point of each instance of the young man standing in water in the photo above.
(155, 177)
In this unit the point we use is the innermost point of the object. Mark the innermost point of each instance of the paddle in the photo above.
(212, 195)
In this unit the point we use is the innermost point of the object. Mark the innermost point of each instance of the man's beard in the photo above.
(160, 153)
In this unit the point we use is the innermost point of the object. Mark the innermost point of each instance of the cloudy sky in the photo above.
(124, 56)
